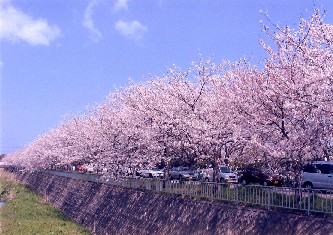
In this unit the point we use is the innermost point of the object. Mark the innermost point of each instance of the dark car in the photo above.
(257, 176)
(182, 173)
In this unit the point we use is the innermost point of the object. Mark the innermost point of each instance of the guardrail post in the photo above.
(269, 199)
(158, 186)
(309, 204)
(237, 192)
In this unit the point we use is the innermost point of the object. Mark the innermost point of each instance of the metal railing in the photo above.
(266, 197)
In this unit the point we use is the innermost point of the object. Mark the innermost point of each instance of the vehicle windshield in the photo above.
(180, 168)
(156, 169)
(225, 169)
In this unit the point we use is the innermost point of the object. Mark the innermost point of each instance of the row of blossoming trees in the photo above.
(210, 111)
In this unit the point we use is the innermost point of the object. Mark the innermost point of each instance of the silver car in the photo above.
(318, 175)
(225, 175)
(182, 173)
(151, 173)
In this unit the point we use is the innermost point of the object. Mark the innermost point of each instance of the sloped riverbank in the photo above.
(25, 212)
(106, 209)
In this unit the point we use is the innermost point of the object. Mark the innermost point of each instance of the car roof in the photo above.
(323, 162)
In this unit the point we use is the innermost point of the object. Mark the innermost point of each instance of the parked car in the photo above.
(255, 176)
(80, 168)
(318, 175)
(182, 173)
(86, 168)
(151, 173)
(225, 175)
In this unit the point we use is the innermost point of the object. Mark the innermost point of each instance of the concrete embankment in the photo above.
(106, 209)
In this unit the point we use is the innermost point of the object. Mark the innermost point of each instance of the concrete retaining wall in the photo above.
(105, 209)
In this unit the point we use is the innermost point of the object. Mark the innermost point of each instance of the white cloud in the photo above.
(121, 5)
(15, 25)
(133, 30)
(88, 22)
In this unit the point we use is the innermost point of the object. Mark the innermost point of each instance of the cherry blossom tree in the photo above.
(210, 112)
(287, 107)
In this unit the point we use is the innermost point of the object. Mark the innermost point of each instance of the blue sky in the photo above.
(59, 56)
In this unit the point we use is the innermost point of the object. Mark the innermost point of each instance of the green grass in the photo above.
(27, 213)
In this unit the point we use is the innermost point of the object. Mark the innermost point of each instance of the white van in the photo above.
(225, 175)
(318, 175)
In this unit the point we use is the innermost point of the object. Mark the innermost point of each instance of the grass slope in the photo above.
(25, 212)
